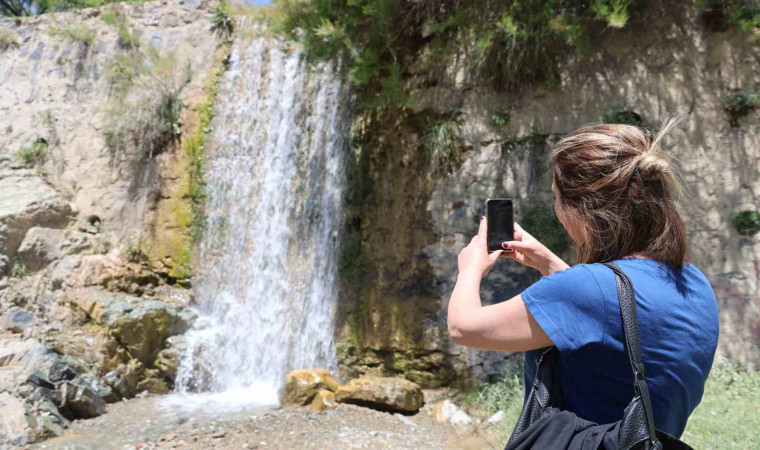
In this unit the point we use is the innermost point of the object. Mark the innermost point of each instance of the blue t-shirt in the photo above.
(678, 322)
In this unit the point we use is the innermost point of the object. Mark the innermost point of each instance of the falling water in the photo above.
(266, 286)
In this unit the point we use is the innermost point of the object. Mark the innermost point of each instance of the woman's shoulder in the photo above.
(579, 281)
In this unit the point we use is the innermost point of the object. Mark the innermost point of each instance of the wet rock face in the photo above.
(303, 384)
(382, 392)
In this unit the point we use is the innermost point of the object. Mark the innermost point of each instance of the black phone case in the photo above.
(500, 218)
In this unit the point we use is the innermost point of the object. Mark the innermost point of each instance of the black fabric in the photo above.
(544, 425)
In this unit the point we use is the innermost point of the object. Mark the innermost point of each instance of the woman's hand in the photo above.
(475, 257)
(529, 251)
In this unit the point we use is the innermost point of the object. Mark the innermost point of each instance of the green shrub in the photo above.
(740, 104)
(747, 222)
(542, 223)
(497, 395)
(441, 143)
(76, 32)
(33, 154)
(147, 123)
(137, 252)
(221, 22)
(720, 15)
(623, 116)
(614, 12)
(500, 118)
(19, 268)
(123, 70)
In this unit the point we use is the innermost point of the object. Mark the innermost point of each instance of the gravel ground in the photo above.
(148, 424)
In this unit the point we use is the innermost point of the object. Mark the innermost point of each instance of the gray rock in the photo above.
(41, 246)
(81, 401)
(192, 4)
(16, 320)
(117, 382)
(142, 325)
(26, 201)
(100, 387)
(168, 359)
(55, 397)
(14, 427)
(28, 354)
(65, 368)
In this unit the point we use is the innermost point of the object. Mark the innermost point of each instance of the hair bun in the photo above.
(651, 164)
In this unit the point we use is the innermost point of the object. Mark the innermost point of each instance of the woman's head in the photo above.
(614, 187)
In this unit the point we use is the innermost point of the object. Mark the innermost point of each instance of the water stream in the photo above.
(266, 276)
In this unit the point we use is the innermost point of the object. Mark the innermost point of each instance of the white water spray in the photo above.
(266, 287)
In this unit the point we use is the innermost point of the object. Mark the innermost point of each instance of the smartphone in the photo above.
(500, 223)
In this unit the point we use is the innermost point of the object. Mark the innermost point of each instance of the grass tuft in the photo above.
(76, 32)
(33, 154)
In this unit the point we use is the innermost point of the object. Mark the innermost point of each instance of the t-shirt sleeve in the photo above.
(569, 307)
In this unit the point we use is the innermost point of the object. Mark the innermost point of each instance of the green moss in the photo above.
(747, 222)
(191, 219)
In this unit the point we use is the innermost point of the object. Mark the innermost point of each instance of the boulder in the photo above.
(303, 384)
(26, 355)
(382, 393)
(27, 201)
(140, 324)
(14, 427)
(16, 320)
(80, 401)
(41, 246)
(324, 400)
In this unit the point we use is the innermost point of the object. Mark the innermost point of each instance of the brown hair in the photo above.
(619, 184)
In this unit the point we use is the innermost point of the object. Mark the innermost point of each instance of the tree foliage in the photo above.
(508, 43)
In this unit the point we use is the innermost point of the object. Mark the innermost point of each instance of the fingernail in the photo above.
(505, 244)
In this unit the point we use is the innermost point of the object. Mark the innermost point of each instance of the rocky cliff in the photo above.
(420, 177)
(98, 108)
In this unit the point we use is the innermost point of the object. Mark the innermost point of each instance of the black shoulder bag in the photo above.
(543, 425)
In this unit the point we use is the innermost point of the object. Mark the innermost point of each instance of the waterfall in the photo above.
(266, 283)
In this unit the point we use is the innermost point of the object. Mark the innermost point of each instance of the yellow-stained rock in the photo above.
(382, 393)
(303, 384)
(323, 400)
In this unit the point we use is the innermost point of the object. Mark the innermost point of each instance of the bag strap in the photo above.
(627, 301)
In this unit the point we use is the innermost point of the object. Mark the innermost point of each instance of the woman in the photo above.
(613, 188)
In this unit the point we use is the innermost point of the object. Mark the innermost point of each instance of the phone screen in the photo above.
(500, 222)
